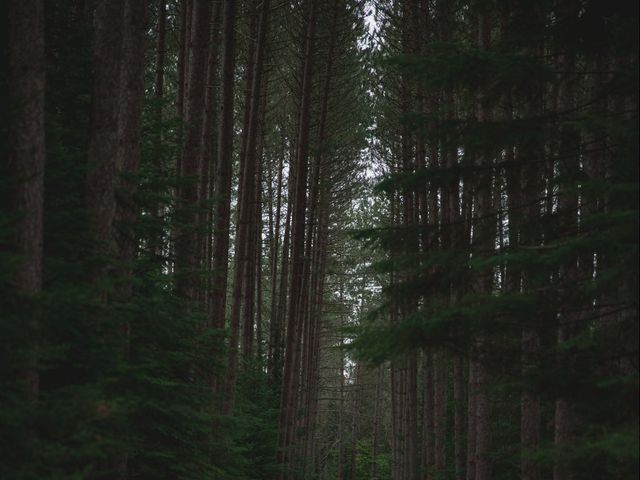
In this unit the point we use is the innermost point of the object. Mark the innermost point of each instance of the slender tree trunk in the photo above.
(281, 311)
(440, 364)
(341, 411)
(376, 422)
(529, 182)
(187, 238)
(428, 453)
(274, 324)
(484, 244)
(568, 207)
(471, 421)
(222, 187)
(288, 401)
(354, 422)
(459, 419)
(246, 195)
(183, 54)
(208, 163)
(161, 51)
(155, 243)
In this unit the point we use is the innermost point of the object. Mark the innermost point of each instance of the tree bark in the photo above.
(26, 155)
(183, 55)
(246, 217)
(187, 245)
(484, 244)
(440, 365)
(288, 401)
(103, 139)
(130, 133)
(222, 188)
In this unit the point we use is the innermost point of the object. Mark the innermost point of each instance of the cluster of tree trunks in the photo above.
(489, 203)
(295, 173)
(279, 224)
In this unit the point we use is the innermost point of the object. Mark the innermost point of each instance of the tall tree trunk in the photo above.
(155, 242)
(209, 154)
(183, 55)
(288, 400)
(440, 366)
(483, 243)
(26, 155)
(187, 245)
(258, 262)
(458, 417)
(222, 188)
(275, 354)
(103, 138)
(568, 208)
(246, 217)
(161, 49)
(130, 133)
(471, 421)
(376, 423)
(529, 182)
(428, 451)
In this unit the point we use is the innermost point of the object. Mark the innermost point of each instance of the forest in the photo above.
(319, 239)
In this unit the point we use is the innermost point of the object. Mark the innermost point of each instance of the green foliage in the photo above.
(578, 268)
(123, 380)
(364, 460)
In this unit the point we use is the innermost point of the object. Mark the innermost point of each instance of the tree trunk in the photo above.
(161, 50)
(187, 244)
(458, 419)
(155, 246)
(183, 55)
(246, 217)
(26, 155)
(275, 353)
(428, 451)
(376, 422)
(471, 421)
(483, 243)
(130, 134)
(568, 207)
(288, 401)
(103, 139)
(222, 188)
(440, 366)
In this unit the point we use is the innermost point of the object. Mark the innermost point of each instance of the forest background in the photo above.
(319, 239)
